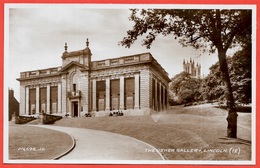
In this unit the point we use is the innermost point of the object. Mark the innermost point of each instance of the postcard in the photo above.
(133, 84)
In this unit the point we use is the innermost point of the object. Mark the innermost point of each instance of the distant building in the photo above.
(135, 85)
(13, 105)
(193, 69)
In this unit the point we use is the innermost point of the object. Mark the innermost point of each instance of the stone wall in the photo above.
(84, 87)
(145, 90)
(22, 100)
(64, 94)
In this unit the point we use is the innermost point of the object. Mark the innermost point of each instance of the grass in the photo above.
(29, 142)
(193, 127)
(243, 109)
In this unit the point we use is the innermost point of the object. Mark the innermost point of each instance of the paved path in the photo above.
(101, 145)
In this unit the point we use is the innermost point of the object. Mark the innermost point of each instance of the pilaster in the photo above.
(108, 93)
(22, 100)
(122, 92)
(64, 93)
(144, 88)
(27, 100)
(156, 95)
(137, 90)
(94, 94)
(59, 97)
(160, 96)
(37, 110)
(48, 98)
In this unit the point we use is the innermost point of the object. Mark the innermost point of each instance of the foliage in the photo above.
(186, 96)
(177, 81)
(192, 27)
(212, 29)
(185, 87)
(240, 75)
(213, 87)
(239, 67)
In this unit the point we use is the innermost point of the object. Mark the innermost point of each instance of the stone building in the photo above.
(192, 69)
(13, 104)
(135, 85)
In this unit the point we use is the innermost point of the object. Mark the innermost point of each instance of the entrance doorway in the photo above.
(75, 109)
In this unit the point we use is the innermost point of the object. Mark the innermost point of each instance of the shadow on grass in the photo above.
(240, 109)
(235, 141)
(244, 141)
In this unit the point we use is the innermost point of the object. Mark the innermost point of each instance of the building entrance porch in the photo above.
(75, 109)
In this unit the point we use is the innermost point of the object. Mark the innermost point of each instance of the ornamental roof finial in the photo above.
(66, 47)
(87, 42)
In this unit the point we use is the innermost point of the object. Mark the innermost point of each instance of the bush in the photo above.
(50, 119)
(174, 102)
(24, 119)
(195, 103)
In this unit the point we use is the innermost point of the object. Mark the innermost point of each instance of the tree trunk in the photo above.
(232, 114)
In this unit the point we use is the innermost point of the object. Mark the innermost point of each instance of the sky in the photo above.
(35, 38)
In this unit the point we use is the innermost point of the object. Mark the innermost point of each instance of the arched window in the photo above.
(74, 82)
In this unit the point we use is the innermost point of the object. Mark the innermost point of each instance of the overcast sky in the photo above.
(37, 36)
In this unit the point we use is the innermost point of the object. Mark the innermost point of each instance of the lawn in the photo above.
(29, 142)
(200, 127)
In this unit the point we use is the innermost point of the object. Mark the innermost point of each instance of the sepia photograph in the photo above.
(130, 84)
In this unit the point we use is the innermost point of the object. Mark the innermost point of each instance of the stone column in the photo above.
(37, 99)
(64, 94)
(122, 92)
(156, 96)
(22, 99)
(86, 88)
(137, 91)
(48, 98)
(108, 93)
(94, 94)
(167, 98)
(163, 100)
(27, 100)
(145, 91)
(79, 108)
(59, 97)
(160, 96)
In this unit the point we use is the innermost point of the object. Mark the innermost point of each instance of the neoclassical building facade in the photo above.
(135, 85)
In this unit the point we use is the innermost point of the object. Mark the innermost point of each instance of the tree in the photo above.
(186, 96)
(177, 81)
(240, 75)
(185, 87)
(217, 28)
(213, 86)
(239, 67)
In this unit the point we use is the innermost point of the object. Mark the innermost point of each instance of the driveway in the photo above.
(100, 145)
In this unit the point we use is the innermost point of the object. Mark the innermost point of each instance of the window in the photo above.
(74, 87)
